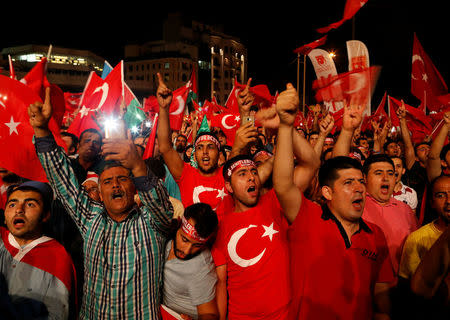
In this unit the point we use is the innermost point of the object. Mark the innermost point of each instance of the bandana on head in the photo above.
(239, 164)
(189, 229)
(262, 152)
(207, 137)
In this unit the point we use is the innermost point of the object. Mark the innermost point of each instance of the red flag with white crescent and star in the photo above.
(426, 81)
(16, 133)
(177, 107)
(228, 123)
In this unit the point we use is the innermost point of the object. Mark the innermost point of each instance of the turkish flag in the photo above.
(426, 81)
(354, 86)
(228, 123)
(262, 94)
(351, 8)
(72, 101)
(379, 115)
(177, 107)
(150, 147)
(418, 123)
(89, 101)
(307, 48)
(232, 103)
(36, 80)
(19, 154)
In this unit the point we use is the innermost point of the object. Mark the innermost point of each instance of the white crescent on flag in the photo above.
(180, 106)
(232, 244)
(415, 58)
(224, 124)
(105, 89)
(359, 83)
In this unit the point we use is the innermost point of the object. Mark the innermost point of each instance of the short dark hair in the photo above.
(72, 136)
(108, 164)
(388, 142)
(205, 217)
(329, 171)
(42, 188)
(381, 157)
(91, 130)
(401, 158)
(418, 144)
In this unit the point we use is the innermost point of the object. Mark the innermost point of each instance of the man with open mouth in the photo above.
(394, 217)
(339, 263)
(38, 271)
(123, 244)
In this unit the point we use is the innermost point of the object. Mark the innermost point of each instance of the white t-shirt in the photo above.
(407, 195)
(189, 283)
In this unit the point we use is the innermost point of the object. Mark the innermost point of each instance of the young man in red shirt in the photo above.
(251, 249)
(340, 267)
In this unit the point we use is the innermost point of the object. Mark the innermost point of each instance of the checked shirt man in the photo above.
(123, 245)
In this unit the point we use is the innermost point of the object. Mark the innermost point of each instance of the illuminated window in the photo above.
(167, 65)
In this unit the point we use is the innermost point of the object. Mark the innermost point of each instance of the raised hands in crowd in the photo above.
(304, 190)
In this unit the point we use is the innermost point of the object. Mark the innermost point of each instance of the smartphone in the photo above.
(249, 119)
(115, 129)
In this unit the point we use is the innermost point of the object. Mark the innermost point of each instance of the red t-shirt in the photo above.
(254, 247)
(331, 278)
(196, 188)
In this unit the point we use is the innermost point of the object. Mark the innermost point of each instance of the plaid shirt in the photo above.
(123, 261)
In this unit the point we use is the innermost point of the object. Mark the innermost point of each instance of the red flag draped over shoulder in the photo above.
(16, 133)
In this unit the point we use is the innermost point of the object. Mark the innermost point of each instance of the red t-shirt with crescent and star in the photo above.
(196, 188)
(254, 247)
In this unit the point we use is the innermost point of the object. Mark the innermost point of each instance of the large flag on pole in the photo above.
(351, 8)
(426, 81)
(358, 58)
(306, 48)
(324, 68)
(16, 134)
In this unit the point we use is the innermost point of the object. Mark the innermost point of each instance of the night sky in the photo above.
(270, 31)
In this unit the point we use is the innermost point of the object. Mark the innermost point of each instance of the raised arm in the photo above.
(410, 154)
(434, 160)
(351, 121)
(57, 167)
(308, 161)
(326, 125)
(171, 158)
(288, 194)
(245, 100)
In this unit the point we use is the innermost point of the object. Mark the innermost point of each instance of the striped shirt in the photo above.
(123, 261)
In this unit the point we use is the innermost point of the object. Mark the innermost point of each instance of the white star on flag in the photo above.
(221, 193)
(237, 118)
(12, 126)
(269, 231)
(84, 111)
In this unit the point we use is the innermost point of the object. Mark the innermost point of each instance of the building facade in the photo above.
(67, 68)
(187, 46)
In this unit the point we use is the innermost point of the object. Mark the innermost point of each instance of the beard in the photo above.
(187, 257)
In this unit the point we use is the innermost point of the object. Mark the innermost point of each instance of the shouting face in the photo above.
(24, 215)
(380, 181)
(117, 190)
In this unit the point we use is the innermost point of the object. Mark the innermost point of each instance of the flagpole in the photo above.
(298, 71)
(304, 79)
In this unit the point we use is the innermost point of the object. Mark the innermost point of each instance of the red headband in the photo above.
(239, 164)
(189, 229)
(208, 137)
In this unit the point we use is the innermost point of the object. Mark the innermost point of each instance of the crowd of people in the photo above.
(284, 223)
